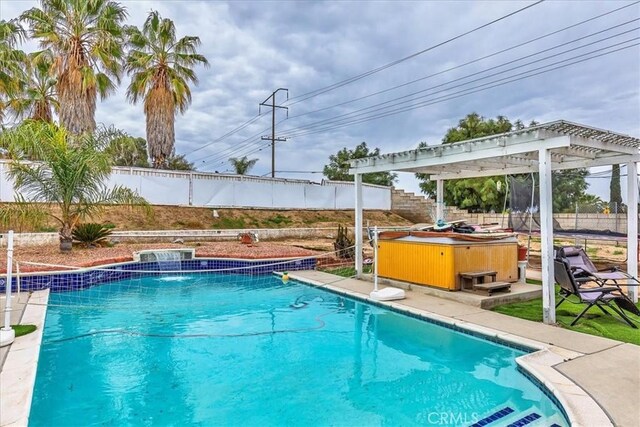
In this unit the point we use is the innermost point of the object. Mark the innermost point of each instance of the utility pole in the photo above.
(273, 126)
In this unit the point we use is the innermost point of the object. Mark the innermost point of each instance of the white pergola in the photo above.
(543, 148)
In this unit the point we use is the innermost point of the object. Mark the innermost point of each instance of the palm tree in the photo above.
(11, 34)
(71, 175)
(242, 164)
(161, 68)
(86, 38)
(36, 98)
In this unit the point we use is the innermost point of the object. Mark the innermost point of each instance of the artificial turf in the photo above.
(21, 330)
(594, 321)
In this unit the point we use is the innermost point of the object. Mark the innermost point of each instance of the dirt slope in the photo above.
(191, 218)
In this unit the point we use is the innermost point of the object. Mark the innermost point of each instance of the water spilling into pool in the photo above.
(242, 350)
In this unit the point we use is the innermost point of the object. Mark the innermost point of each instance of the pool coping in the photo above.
(18, 373)
(578, 406)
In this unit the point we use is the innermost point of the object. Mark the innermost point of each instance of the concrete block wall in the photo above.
(420, 209)
(417, 209)
(566, 221)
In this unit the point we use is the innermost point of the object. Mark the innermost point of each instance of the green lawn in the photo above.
(346, 271)
(594, 322)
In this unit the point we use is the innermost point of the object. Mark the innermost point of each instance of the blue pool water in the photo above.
(251, 351)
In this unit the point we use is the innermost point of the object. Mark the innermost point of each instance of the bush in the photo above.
(91, 234)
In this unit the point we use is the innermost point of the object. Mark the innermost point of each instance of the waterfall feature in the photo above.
(168, 260)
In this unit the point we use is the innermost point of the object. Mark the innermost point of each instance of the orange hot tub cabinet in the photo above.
(438, 261)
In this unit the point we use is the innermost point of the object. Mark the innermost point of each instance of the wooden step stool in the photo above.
(477, 281)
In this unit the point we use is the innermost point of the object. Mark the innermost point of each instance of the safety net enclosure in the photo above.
(541, 149)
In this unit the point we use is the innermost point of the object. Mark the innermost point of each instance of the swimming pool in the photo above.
(224, 349)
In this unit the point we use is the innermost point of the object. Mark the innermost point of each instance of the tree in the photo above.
(338, 167)
(36, 96)
(569, 188)
(71, 175)
(242, 165)
(489, 194)
(161, 69)
(11, 34)
(86, 38)
(480, 194)
(177, 162)
(615, 192)
(122, 148)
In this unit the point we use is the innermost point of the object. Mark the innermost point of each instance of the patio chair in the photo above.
(582, 267)
(583, 270)
(599, 296)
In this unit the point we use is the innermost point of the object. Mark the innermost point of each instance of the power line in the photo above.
(231, 132)
(345, 82)
(252, 140)
(478, 60)
(244, 125)
(248, 143)
(462, 93)
(412, 96)
(483, 87)
(342, 122)
(473, 74)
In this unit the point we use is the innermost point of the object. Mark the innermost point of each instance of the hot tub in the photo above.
(437, 259)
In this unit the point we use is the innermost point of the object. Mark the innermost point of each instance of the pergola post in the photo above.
(358, 223)
(632, 226)
(439, 199)
(546, 237)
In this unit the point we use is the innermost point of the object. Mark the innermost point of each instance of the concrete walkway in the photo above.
(18, 303)
(608, 370)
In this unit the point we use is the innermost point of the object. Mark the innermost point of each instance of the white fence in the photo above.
(221, 190)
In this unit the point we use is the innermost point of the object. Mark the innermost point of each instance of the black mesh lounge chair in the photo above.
(599, 296)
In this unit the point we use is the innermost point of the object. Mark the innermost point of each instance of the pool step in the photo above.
(510, 414)
(525, 420)
(493, 417)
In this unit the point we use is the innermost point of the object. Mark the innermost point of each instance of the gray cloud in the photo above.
(256, 47)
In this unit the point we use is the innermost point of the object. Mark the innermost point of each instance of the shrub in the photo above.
(91, 234)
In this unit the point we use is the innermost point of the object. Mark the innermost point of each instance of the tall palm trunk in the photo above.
(159, 108)
(77, 97)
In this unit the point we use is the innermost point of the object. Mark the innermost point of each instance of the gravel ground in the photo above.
(122, 252)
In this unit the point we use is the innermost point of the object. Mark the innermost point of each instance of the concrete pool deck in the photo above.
(578, 369)
(596, 368)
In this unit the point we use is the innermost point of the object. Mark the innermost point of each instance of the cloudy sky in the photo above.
(257, 47)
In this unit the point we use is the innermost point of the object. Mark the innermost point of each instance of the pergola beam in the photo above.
(602, 145)
(571, 164)
(456, 153)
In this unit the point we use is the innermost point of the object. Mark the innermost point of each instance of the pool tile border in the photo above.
(85, 277)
